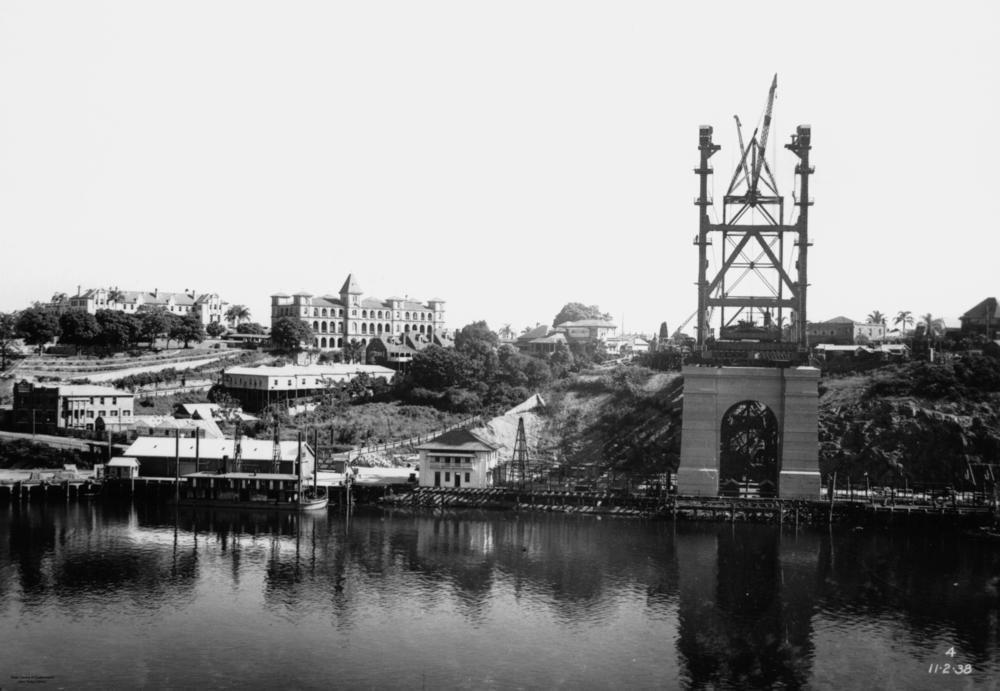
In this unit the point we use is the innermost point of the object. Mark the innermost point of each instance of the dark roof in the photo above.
(986, 308)
(351, 286)
(460, 440)
(537, 332)
(839, 320)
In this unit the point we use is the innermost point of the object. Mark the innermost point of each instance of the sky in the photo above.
(507, 157)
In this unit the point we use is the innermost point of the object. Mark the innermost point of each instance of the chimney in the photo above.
(156, 292)
(79, 289)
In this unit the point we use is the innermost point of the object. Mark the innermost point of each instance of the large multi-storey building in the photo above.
(208, 306)
(336, 320)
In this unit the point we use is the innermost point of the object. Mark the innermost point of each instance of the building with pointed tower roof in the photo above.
(337, 320)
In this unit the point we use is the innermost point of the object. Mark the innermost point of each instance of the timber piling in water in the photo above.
(684, 508)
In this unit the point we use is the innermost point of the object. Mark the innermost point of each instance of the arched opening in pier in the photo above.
(748, 457)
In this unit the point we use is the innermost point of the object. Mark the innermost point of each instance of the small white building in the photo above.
(457, 459)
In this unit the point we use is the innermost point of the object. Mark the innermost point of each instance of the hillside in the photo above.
(624, 420)
(915, 424)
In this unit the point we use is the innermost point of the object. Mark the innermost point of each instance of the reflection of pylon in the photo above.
(520, 462)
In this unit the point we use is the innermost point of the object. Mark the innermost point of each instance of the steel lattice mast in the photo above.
(519, 463)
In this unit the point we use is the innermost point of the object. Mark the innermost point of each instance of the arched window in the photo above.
(340, 342)
(322, 327)
(317, 345)
(324, 312)
(315, 326)
(421, 328)
(364, 314)
(364, 328)
(406, 315)
(322, 343)
(315, 312)
(430, 330)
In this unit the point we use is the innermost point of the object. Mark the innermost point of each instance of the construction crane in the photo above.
(760, 161)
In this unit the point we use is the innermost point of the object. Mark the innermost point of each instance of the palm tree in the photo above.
(876, 317)
(506, 331)
(238, 313)
(115, 296)
(905, 318)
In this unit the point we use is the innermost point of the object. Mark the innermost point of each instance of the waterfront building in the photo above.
(209, 307)
(41, 408)
(157, 456)
(458, 458)
(339, 319)
(258, 387)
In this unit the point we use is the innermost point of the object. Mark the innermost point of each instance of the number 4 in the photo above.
(951, 652)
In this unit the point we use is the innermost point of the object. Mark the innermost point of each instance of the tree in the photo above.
(250, 328)
(664, 333)
(506, 332)
(8, 332)
(575, 311)
(153, 323)
(438, 368)
(561, 361)
(876, 317)
(354, 351)
(188, 328)
(115, 296)
(79, 329)
(289, 333)
(238, 314)
(118, 330)
(475, 338)
(38, 326)
(904, 318)
(215, 329)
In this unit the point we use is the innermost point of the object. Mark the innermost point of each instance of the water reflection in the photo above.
(535, 600)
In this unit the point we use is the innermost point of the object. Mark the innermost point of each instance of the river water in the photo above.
(103, 596)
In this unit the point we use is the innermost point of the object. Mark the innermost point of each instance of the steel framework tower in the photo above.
(519, 464)
(759, 280)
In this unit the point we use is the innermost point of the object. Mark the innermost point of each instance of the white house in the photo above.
(457, 459)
